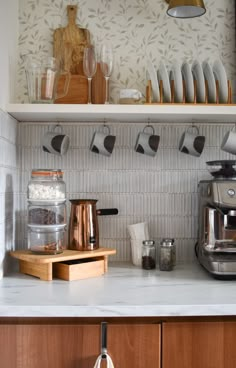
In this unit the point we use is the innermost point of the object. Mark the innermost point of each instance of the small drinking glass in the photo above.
(89, 67)
(106, 64)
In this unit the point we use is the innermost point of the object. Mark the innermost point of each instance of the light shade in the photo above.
(186, 8)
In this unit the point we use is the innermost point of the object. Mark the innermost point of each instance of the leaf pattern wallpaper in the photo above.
(137, 29)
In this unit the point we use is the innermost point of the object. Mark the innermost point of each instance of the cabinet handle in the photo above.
(104, 355)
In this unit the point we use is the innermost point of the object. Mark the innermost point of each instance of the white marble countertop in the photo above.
(124, 291)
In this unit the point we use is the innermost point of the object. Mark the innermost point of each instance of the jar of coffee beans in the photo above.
(148, 255)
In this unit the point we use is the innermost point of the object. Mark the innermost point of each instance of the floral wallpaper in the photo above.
(137, 29)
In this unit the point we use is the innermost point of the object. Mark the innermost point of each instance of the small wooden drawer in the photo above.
(79, 269)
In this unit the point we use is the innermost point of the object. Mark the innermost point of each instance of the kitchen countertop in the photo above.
(124, 291)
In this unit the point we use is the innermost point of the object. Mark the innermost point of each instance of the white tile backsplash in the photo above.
(160, 190)
(9, 188)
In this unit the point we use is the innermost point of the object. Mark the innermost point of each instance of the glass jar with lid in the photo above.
(46, 240)
(148, 255)
(167, 254)
(44, 213)
(46, 185)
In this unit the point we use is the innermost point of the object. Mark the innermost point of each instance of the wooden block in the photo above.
(72, 270)
(78, 89)
(42, 271)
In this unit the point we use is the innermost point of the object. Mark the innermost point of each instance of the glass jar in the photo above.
(167, 255)
(46, 184)
(148, 255)
(43, 213)
(46, 241)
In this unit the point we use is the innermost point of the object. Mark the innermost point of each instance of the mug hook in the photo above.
(57, 126)
(105, 126)
(193, 127)
(149, 126)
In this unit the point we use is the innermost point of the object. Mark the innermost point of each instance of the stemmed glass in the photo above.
(106, 64)
(89, 67)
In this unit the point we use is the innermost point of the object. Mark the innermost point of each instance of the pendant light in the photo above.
(186, 8)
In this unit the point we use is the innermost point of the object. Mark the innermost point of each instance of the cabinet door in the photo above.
(49, 346)
(134, 345)
(199, 345)
(73, 346)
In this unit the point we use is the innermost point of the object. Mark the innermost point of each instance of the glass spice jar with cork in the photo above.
(148, 255)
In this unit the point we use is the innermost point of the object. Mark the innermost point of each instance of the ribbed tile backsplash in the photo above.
(160, 190)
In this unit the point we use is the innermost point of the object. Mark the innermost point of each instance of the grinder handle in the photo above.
(107, 211)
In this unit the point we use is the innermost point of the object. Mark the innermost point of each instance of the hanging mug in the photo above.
(191, 142)
(147, 143)
(55, 141)
(103, 142)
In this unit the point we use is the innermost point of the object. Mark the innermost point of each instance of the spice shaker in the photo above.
(148, 255)
(167, 254)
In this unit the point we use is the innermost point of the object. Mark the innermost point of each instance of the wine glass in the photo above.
(89, 67)
(106, 64)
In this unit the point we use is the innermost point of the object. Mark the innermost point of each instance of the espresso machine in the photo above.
(216, 245)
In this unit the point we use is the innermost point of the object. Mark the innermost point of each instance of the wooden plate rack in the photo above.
(172, 84)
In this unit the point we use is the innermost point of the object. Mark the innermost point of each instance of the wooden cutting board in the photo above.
(68, 47)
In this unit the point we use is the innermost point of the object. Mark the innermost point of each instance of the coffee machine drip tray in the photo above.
(221, 265)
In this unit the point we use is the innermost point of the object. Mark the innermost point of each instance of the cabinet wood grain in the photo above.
(72, 346)
(199, 345)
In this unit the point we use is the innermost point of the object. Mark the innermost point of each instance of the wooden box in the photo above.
(79, 269)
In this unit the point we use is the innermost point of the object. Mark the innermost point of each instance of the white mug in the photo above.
(229, 142)
(103, 142)
(55, 141)
(191, 142)
(147, 143)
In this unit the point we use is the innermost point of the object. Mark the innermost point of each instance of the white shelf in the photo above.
(166, 113)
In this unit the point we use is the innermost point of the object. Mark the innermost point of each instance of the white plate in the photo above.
(176, 76)
(163, 75)
(209, 76)
(221, 76)
(188, 78)
(152, 75)
(199, 77)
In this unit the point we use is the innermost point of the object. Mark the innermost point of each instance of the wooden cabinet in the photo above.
(131, 344)
(37, 345)
(199, 345)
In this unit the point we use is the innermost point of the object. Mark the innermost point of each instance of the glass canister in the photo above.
(46, 240)
(44, 213)
(167, 255)
(148, 255)
(46, 184)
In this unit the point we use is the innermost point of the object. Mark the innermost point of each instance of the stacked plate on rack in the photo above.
(191, 83)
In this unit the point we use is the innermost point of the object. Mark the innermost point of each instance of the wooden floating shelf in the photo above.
(64, 265)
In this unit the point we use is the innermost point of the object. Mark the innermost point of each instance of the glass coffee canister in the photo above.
(46, 194)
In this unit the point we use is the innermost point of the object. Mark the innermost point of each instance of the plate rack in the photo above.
(172, 85)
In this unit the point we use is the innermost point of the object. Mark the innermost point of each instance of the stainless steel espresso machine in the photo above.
(216, 245)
